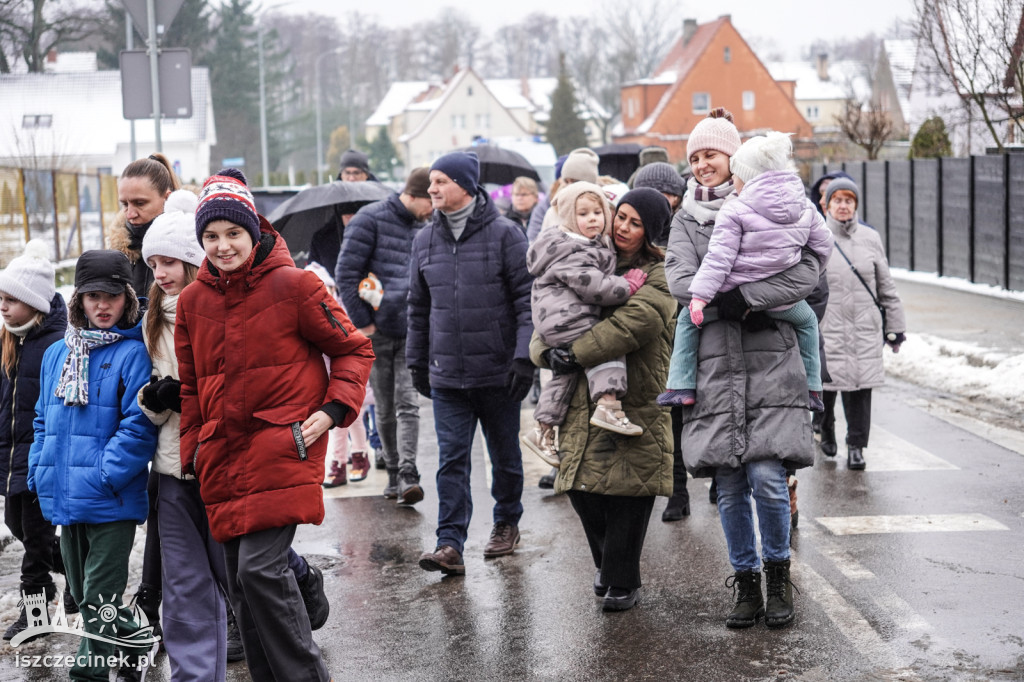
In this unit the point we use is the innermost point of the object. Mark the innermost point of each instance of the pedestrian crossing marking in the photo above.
(911, 523)
(889, 452)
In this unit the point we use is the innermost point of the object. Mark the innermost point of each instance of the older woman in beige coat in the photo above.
(858, 277)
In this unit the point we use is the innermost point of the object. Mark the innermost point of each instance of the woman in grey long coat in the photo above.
(852, 325)
(750, 421)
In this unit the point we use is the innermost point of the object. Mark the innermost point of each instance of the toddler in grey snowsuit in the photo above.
(574, 268)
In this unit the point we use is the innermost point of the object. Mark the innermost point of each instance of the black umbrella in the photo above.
(501, 166)
(306, 213)
(619, 160)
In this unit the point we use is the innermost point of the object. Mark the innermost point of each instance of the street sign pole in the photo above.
(129, 41)
(154, 71)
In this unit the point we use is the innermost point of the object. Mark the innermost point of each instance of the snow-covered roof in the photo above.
(395, 101)
(845, 79)
(902, 56)
(85, 114)
(60, 62)
(508, 91)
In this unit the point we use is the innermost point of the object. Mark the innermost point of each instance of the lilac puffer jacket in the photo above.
(760, 233)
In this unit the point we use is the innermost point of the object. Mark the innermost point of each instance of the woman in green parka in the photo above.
(612, 480)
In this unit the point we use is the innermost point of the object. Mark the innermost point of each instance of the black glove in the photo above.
(895, 340)
(731, 305)
(562, 361)
(421, 380)
(758, 322)
(520, 379)
(168, 390)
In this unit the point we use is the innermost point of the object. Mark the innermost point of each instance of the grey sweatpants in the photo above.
(269, 608)
(555, 395)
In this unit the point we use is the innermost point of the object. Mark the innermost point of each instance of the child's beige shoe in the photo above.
(610, 416)
(541, 442)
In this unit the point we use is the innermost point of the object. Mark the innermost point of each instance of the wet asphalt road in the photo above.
(910, 570)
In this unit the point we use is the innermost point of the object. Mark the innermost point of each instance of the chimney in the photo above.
(689, 28)
(51, 56)
(821, 66)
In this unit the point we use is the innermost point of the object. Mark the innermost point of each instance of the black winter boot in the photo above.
(855, 459)
(828, 440)
(779, 611)
(49, 591)
(148, 599)
(746, 585)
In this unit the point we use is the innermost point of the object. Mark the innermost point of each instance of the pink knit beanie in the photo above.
(717, 132)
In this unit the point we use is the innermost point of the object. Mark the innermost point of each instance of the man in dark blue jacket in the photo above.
(377, 243)
(468, 349)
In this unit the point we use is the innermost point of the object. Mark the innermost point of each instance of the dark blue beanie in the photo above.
(462, 167)
(558, 165)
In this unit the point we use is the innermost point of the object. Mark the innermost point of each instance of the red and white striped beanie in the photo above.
(226, 196)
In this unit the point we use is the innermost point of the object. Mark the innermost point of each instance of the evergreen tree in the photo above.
(383, 155)
(931, 140)
(566, 131)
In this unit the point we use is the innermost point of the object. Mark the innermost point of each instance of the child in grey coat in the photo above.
(574, 269)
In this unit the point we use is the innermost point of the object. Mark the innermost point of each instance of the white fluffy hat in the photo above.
(29, 277)
(761, 154)
(173, 233)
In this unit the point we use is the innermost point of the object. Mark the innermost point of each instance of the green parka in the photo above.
(596, 460)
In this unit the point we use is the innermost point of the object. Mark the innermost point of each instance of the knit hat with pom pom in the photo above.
(759, 154)
(717, 132)
(173, 233)
(29, 277)
(226, 196)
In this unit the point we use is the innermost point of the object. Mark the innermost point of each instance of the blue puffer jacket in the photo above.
(469, 301)
(378, 240)
(18, 395)
(88, 464)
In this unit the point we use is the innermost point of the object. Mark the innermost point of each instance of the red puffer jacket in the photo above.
(250, 347)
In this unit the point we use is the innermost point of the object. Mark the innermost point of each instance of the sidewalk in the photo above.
(962, 339)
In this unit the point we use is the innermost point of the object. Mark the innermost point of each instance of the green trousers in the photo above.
(96, 565)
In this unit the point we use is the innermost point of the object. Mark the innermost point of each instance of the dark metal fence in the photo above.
(958, 217)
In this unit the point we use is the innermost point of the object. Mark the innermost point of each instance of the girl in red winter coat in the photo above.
(256, 400)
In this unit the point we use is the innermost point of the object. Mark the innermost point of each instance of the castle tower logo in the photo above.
(107, 621)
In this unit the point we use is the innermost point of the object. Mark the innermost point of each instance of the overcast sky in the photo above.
(789, 24)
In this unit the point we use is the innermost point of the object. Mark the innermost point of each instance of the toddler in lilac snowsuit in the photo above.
(758, 233)
(574, 268)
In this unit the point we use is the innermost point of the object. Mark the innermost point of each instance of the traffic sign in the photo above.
(166, 10)
(175, 78)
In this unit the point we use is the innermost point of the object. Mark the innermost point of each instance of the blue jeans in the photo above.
(456, 415)
(682, 370)
(766, 479)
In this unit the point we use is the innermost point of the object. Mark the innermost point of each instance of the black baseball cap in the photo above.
(102, 270)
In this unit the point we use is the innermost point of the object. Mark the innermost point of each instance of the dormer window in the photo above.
(469, 91)
(36, 120)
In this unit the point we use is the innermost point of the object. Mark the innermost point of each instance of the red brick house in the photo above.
(710, 66)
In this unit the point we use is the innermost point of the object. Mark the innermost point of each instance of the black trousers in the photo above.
(615, 526)
(857, 408)
(27, 523)
(679, 492)
(151, 560)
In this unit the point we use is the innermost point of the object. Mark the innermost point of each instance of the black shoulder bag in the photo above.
(881, 309)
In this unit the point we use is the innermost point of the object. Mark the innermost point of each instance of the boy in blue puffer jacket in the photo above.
(88, 463)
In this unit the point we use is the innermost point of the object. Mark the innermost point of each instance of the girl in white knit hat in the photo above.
(758, 233)
(34, 317)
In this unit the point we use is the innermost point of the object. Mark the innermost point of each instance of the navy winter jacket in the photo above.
(469, 301)
(378, 239)
(18, 395)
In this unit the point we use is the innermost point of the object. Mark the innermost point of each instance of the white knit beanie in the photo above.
(173, 233)
(760, 154)
(717, 132)
(581, 165)
(29, 277)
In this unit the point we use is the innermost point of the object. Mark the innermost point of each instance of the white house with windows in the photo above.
(822, 88)
(425, 119)
(73, 120)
